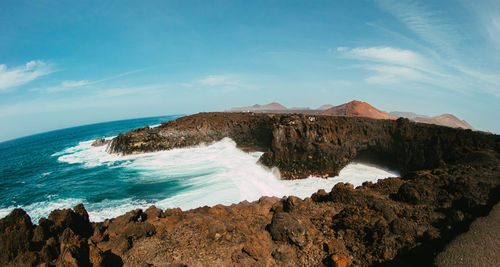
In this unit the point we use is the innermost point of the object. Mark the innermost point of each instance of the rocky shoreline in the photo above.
(449, 178)
(302, 145)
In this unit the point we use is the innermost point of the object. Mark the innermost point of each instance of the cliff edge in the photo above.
(302, 145)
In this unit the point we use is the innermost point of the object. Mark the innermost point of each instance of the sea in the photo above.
(59, 169)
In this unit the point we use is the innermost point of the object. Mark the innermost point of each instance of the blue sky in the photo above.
(67, 63)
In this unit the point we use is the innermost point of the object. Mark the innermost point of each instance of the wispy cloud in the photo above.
(487, 12)
(429, 25)
(220, 82)
(16, 76)
(120, 91)
(65, 85)
(390, 66)
(386, 75)
(384, 54)
(76, 84)
(101, 98)
(440, 55)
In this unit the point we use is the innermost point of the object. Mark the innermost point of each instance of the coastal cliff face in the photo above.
(449, 178)
(303, 145)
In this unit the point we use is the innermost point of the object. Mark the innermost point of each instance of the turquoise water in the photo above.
(30, 173)
(60, 169)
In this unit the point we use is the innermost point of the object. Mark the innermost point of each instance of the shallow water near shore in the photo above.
(61, 169)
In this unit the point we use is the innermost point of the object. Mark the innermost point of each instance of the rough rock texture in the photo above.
(405, 221)
(301, 145)
(100, 142)
(395, 222)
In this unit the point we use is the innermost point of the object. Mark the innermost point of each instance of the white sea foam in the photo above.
(218, 173)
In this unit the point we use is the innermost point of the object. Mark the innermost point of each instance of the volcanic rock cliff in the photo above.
(303, 145)
(450, 177)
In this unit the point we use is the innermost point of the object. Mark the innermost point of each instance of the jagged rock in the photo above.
(100, 142)
(153, 212)
(16, 231)
(300, 147)
(77, 220)
(74, 250)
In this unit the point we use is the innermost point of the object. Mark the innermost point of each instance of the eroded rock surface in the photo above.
(301, 145)
(450, 178)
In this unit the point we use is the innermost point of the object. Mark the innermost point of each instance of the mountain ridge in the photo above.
(357, 108)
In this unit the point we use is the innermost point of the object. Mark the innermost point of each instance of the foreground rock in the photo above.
(303, 145)
(477, 247)
(395, 222)
(450, 178)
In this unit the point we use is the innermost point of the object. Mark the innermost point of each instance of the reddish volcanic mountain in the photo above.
(358, 109)
(445, 120)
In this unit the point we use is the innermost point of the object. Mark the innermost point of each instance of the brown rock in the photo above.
(339, 260)
(16, 231)
(286, 228)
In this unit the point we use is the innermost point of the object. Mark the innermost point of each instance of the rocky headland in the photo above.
(301, 145)
(449, 177)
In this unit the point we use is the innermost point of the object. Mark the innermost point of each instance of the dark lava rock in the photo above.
(16, 231)
(300, 147)
(100, 142)
(286, 228)
(77, 220)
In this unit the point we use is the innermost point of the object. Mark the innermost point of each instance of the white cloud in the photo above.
(386, 75)
(443, 44)
(61, 104)
(74, 84)
(390, 66)
(13, 77)
(385, 54)
(221, 82)
(65, 85)
(113, 92)
(218, 80)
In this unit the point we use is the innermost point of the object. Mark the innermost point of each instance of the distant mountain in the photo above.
(445, 120)
(325, 107)
(271, 107)
(358, 109)
(409, 115)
